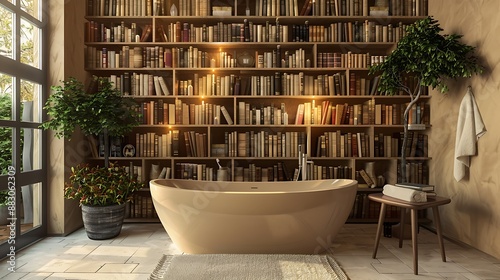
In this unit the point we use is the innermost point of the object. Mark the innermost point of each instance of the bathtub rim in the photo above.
(350, 183)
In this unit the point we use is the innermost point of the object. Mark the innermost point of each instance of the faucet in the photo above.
(303, 165)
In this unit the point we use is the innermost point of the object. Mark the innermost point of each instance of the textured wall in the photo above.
(473, 217)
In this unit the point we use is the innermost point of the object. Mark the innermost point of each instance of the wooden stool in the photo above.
(432, 202)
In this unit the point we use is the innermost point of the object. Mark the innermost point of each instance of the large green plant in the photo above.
(429, 56)
(100, 110)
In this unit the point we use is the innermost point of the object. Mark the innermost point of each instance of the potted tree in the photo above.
(101, 191)
(428, 56)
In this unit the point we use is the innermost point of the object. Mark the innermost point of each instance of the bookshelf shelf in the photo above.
(283, 80)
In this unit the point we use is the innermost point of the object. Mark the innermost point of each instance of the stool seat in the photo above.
(432, 202)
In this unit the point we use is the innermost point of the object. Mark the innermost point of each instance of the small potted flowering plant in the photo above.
(100, 191)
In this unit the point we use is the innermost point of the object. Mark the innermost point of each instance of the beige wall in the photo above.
(473, 217)
(65, 44)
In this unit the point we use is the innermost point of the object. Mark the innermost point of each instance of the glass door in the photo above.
(22, 143)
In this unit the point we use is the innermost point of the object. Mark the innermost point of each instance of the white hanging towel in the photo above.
(470, 127)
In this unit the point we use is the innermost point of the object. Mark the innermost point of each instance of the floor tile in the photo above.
(117, 268)
(135, 253)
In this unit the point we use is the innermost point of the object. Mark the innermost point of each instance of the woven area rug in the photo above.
(254, 267)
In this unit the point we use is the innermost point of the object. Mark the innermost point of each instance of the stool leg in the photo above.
(401, 226)
(379, 229)
(414, 225)
(437, 223)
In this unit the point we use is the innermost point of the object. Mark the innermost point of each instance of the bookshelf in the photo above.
(248, 84)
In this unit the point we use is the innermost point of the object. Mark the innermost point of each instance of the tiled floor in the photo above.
(134, 254)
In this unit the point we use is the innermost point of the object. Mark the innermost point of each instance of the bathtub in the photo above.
(293, 217)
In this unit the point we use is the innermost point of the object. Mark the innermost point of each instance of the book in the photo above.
(367, 178)
(415, 186)
(228, 118)
(163, 85)
(146, 33)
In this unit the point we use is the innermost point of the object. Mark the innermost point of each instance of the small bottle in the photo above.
(173, 10)
(247, 10)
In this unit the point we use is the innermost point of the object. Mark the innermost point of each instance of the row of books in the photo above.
(140, 84)
(129, 57)
(390, 145)
(347, 60)
(336, 144)
(365, 31)
(100, 32)
(277, 59)
(245, 31)
(194, 171)
(290, 84)
(262, 8)
(141, 206)
(255, 173)
(276, 8)
(280, 144)
(279, 172)
(135, 171)
(364, 8)
(358, 31)
(194, 8)
(196, 144)
(160, 112)
(338, 114)
(296, 84)
(193, 57)
(236, 144)
(252, 173)
(151, 144)
(249, 114)
(416, 172)
(163, 113)
(321, 172)
(359, 84)
(262, 143)
(122, 8)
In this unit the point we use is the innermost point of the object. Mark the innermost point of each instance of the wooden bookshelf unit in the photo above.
(217, 80)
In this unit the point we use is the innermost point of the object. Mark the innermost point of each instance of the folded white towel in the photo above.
(404, 193)
(470, 127)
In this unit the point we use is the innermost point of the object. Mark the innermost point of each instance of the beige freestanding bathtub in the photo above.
(294, 217)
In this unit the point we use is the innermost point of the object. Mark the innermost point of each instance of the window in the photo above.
(22, 89)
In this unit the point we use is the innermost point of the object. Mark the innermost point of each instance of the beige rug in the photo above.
(254, 267)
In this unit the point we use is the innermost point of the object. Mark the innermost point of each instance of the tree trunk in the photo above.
(106, 148)
(413, 100)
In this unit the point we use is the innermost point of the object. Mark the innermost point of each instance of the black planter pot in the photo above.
(103, 222)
